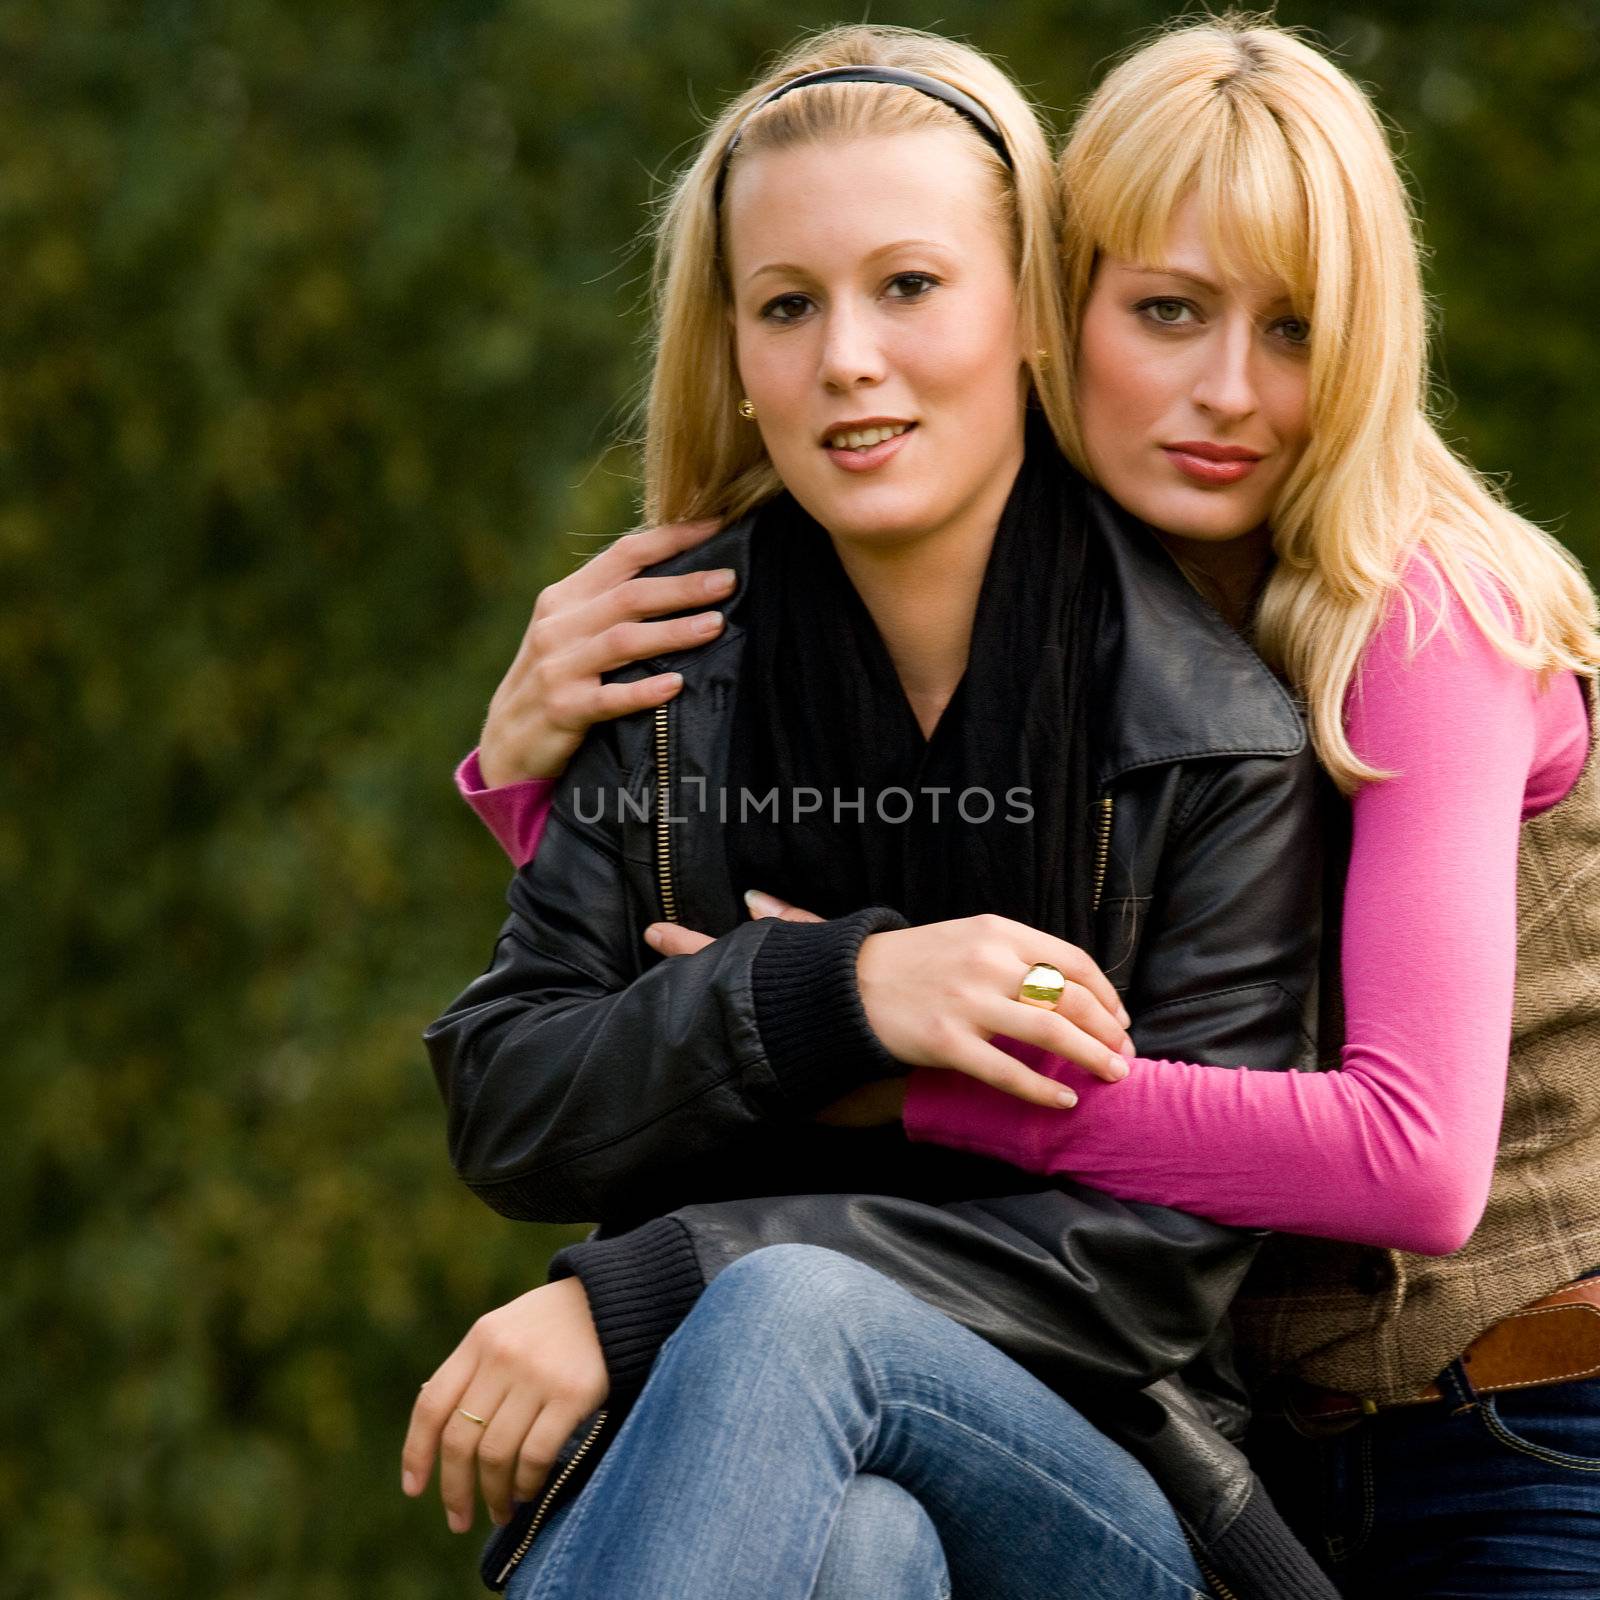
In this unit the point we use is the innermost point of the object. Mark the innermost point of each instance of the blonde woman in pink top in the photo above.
(1242, 267)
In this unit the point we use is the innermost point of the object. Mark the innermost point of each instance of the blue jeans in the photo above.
(1476, 1497)
(814, 1432)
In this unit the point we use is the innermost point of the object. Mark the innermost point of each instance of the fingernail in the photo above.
(761, 905)
(719, 580)
(710, 623)
(1127, 1049)
(652, 937)
(499, 1518)
(1066, 1098)
(459, 1521)
(1123, 1017)
(408, 1482)
(1118, 1069)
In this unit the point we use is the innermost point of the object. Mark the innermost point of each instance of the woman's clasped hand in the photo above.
(937, 996)
(497, 1411)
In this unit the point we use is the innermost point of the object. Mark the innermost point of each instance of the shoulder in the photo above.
(1430, 613)
(1432, 686)
(730, 547)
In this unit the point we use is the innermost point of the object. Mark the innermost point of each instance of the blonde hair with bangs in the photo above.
(1297, 182)
(700, 458)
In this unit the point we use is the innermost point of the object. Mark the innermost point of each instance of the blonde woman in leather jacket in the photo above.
(992, 615)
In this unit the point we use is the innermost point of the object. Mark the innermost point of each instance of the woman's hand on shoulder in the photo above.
(588, 624)
(531, 1371)
(937, 995)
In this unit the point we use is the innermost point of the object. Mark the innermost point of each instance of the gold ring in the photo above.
(1042, 985)
(483, 1422)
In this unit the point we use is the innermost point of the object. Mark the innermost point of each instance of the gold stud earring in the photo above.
(747, 410)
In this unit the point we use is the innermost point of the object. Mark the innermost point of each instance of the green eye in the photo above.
(1166, 313)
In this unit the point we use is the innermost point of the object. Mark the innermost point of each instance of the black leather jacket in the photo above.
(586, 1078)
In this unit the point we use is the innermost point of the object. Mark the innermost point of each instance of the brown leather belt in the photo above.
(1555, 1340)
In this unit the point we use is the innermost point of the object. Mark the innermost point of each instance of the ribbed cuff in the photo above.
(640, 1285)
(1261, 1559)
(808, 1007)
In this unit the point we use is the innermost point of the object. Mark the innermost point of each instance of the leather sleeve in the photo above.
(581, 1073)
(1228, 969)
(1086, 1292)
(1080, 1289)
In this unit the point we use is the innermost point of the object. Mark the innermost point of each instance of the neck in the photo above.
(1228, 572)
(922, 593)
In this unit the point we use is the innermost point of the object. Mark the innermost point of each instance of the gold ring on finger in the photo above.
(1042, 985)
(472, 1416)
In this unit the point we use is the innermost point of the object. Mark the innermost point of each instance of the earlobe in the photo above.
(733, 357)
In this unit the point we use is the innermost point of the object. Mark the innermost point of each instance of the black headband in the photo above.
(934, 88)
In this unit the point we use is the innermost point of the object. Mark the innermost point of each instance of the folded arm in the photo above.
(1397, 1147)
(584, 1077)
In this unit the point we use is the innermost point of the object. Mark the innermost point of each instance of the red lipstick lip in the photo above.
(861, 424)
(1209, 472)
(1213, 452)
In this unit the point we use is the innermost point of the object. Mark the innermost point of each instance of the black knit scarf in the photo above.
(821, 709)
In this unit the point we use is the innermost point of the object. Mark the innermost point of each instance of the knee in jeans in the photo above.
(775, 1314)
(803, 1282)
(883, 1545)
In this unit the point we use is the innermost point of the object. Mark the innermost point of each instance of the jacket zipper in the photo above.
(669, 898)
(549, 1495)
(1102, 848)
(1213, 1582)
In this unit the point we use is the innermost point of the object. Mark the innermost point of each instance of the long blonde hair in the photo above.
(1297, 181)
(700, 458)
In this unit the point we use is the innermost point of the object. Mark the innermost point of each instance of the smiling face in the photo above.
(1193, 389)
(877, 332)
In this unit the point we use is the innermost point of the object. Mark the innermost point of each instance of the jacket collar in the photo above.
(1181, 685)
(729, 548)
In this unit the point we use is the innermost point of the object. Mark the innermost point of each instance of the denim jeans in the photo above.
(814, 1432)
(1476, 1497)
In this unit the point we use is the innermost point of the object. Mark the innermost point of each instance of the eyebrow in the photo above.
(1175, 272)
(791, 270)
(1199, 282)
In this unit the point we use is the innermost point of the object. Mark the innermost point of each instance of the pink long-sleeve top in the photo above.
(1397, 1146)
(515, 813)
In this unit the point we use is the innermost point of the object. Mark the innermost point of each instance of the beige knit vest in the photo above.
(1380, 1323)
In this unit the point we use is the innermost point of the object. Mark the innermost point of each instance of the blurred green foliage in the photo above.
(317, 326)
